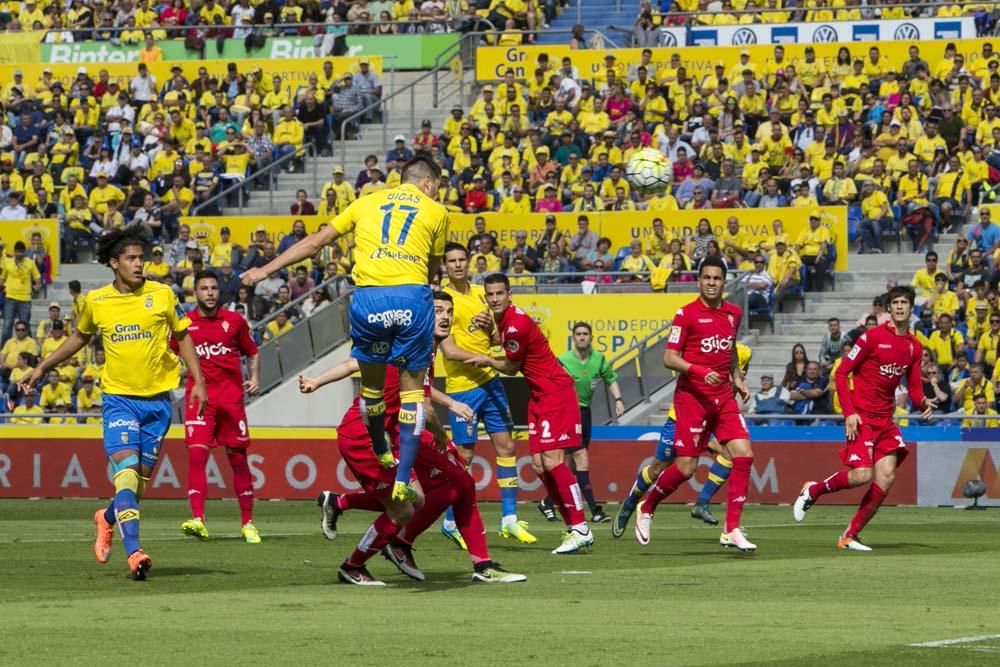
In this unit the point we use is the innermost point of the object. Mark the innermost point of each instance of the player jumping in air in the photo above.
(136, 318)
(664, 456)
(553, 412)
(399, 236)
(479, 388)
(701, 347)
(877, 362)
(221, 338)
(442, 481)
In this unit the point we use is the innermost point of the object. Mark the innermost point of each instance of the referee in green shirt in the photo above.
(587, 368)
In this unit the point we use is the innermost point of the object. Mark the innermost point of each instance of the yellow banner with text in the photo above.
(623, 226)
(294, 72)
(12, 231)
(493, 61)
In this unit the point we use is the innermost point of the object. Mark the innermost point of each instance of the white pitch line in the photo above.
(574, 572)
(954, 642)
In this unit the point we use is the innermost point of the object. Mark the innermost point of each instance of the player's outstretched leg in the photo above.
(870, 503)
(243, 485)
(668, 482)
(335, 504)
(717, 476)
(197, 488)
(739, 486)
(811, 491)
(647, 475)
(379, 533)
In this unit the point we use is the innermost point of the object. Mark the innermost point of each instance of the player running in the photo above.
(587, 367)
(136, 318)
(443, 482)
(480, 389)
(664, 456)
(221, 339)
(399, 236)
(553, 411)
(875, 448)
(701, 348)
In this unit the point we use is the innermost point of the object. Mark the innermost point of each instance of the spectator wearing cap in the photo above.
(369, 86)
(813, 248)
(399, 152)
(288, 136)
(426, 140)
(346, 101)
(45, 326)
(155, 268)
(875, 212)
(339, 185)
(772, 399)
(55, 337)
(783, 267)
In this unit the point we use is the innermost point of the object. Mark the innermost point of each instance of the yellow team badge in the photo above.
(149, 301)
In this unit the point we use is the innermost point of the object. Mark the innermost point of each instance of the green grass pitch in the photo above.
(681, 601)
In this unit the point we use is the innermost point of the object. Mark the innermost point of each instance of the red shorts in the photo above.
(431, 467)
(699, 417)
(554, 422)
(875, 440)
(221, 425)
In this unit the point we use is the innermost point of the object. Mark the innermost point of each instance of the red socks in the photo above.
(468, 519)
(739, 484)
(382, 530)
(838, 481)
(197, 480)
(359, 500)
(665, 484)
(866, 510)
(565, 494)
(242, 483)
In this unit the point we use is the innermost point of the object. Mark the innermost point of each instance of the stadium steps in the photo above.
(597, 14)
(855, 289)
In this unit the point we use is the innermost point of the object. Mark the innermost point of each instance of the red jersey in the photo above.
(353, 427)
(706, 337)
(220, 342)
(523, 341)
(879, 360)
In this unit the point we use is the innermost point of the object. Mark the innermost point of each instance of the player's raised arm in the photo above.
(337, 373)
(304, 249)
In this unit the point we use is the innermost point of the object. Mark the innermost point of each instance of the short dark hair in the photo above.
(442, 296)
(901, 291)
(712, 261)
(452, 245)
(833, 319)
(75, 286)
(497, 278)
(586, 326)
(113, 244)
(206, 274)
(420, 167)
(931, 255)
(20, 246)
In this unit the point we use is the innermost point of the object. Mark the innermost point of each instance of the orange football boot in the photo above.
(139, 564)
(105, 533)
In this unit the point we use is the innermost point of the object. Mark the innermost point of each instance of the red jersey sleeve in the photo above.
(515, 338)
(174, 345)
(678, 332)
(244, 341)
(852, 361)
(914, 383)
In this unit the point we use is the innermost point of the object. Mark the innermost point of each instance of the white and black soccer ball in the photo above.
(649, 170)
(973, 488)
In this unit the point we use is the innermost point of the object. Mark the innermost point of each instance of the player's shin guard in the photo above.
(127, 508)
(359, 500)
(739, 484)
(870, 503)
(665, 484)
(838, 481)
(242, 483)
(411, 425)
(642, 483)
(382, 530)
(507, 481)
(373, 415)
(197, 479)
(583, 481)
(717, 476)
(566, 494)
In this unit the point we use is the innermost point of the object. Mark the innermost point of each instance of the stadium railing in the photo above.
(267, 172)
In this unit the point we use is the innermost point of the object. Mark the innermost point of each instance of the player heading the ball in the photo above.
(399, 236)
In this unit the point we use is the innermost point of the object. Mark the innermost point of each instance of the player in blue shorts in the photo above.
(664, 456)
(399, 236)
(480, 389)
(136, 318)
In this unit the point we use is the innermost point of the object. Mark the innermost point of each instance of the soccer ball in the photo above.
(649, 170)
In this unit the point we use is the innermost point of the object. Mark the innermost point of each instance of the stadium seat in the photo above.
(766, 311)
(797, 291)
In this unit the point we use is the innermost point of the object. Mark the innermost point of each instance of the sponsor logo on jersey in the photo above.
(716, 343)
(225, 326)
(563, 438)
(892, 370)
(512, 329)
(391, 318)
(125, 333)
(884, 346)
(512, 345)
(380, 347)
(675, 333)
(854, 457)
(209, 350)
(131, 424)
(149, 301)
(855, 351)
(705, 320)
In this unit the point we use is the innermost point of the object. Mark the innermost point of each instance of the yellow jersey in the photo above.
(85, 400)
(18, 277)
(135, 330)
(469, 337)
(22, 410)
(743, 356)
(396, 231)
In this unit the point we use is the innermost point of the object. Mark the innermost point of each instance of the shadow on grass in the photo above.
(186, 571)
